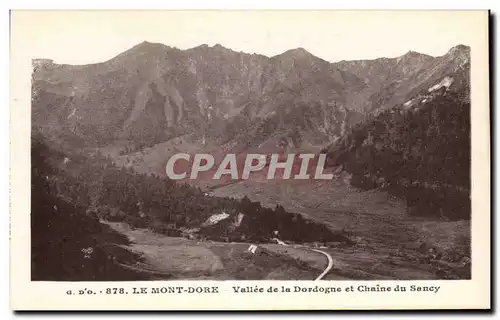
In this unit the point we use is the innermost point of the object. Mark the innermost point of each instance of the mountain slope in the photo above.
(229, 100)
(419, 150)
(393, 81)
(155, 92)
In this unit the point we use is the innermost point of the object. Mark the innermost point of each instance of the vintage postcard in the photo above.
(249, 160)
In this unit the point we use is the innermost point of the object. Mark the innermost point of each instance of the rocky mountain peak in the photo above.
(300, 51)
(218, 46)
(147, 46)
(413, 56)
(459, 52)
(459, 49)
(145, 49)
(297, 53)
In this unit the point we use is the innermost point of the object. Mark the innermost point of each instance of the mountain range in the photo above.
(153, 93)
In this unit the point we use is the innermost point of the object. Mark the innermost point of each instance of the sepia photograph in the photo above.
(251, 145)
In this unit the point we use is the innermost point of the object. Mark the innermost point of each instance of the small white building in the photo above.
(252, 248)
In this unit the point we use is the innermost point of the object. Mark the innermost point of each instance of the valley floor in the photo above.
(173, 258)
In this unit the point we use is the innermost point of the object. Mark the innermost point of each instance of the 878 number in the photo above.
(115, 291)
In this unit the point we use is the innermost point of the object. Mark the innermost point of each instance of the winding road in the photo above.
(328, 256)
(328, 268)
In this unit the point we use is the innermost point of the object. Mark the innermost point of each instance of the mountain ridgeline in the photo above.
(153, 92)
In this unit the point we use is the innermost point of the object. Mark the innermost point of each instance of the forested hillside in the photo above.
(66, 243)
(73, 191)
(419, 151)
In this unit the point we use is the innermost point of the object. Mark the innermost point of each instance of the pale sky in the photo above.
(80, 37)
